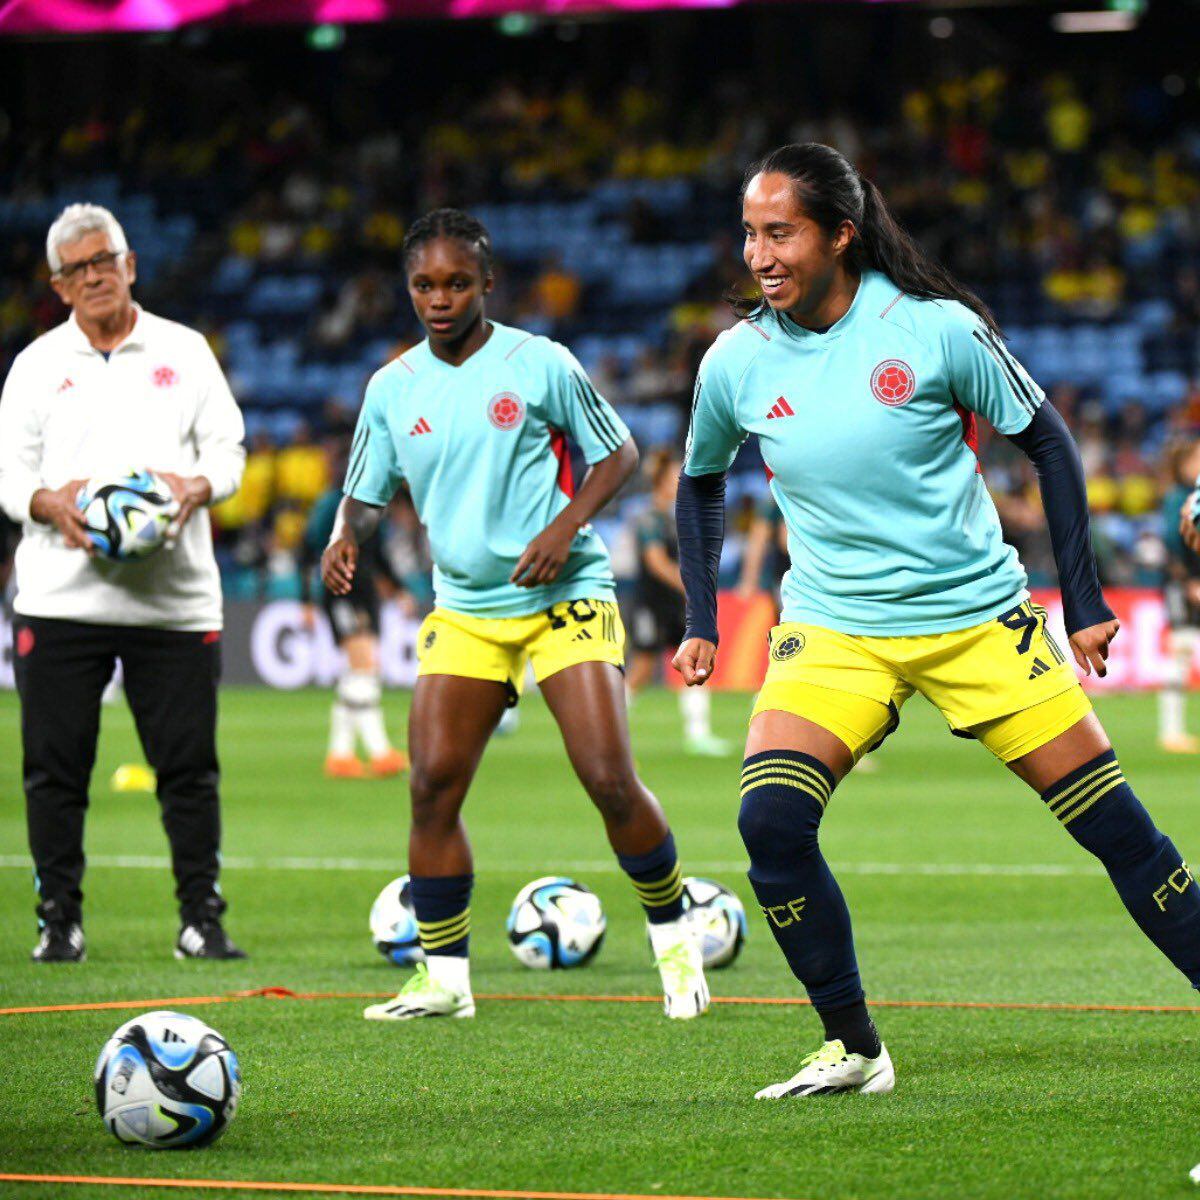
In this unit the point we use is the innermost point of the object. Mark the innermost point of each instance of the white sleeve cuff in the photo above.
(223, 470)
(15, 497)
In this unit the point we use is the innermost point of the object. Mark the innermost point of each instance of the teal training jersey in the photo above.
(482, 449)
(869, 432)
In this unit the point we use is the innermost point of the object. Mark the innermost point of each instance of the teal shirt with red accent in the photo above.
(869, 431)
(482, 448)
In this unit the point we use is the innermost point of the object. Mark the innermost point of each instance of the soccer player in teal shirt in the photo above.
(863, 368)
(474, 419)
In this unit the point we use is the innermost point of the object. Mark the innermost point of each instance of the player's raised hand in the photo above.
(695, 660)
(191, 492)
(57, 507)
(543, 558)
(1090, 646)
(1187, 523)
(338, 565)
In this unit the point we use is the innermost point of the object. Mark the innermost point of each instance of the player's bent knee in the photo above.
(772, 835)
(437, 787)
(614, 791)
(784, 794)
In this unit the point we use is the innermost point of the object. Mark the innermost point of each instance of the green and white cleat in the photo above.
(681, 965)
(831, 1070)
(423, 996)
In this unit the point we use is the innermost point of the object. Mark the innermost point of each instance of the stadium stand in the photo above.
(279, 235)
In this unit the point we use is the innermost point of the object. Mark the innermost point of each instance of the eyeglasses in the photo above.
(104, 263)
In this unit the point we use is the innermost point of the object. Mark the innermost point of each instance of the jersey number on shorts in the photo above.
(583, 611)
(1026, 619)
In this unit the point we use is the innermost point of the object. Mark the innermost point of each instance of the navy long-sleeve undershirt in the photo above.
(700, 525)
(1048, 444)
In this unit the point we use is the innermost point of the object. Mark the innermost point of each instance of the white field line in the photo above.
(599, 866)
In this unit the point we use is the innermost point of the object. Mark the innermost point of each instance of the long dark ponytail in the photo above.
(830, 190)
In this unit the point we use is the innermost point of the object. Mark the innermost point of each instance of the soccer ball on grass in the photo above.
(394, 924)
(167, 1080)
(555, 922)
(717, 919)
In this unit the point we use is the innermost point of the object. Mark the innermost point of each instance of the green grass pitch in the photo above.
(961, 885)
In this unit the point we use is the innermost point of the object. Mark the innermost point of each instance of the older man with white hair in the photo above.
(113, 389)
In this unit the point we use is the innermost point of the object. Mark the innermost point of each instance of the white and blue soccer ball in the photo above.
(394, 924)
(127, 516)
(555, 922)
(167, 1080)
(717, 917)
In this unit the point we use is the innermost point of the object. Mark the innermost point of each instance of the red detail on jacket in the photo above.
(558, 447)
(970, 432)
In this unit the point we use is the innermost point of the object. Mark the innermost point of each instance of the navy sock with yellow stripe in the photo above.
(1100, 811)
(658, 881)
(442, 905)
(784, 794)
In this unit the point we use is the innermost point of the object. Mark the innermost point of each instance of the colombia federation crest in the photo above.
(893, 382)
(506, 410)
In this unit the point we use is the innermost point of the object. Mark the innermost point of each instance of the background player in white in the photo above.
(657, 616)
(357, 710)
(110, 389)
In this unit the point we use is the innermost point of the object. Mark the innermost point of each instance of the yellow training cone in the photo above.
(133, 777)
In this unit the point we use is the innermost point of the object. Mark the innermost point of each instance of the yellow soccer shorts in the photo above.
(567, 633)
(1005, 682)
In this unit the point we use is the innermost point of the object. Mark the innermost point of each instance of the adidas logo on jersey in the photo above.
(422, 426)
(781, 408)
(582, 636)
(1039, 668)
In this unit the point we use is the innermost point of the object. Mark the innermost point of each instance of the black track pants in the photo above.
(171, 677)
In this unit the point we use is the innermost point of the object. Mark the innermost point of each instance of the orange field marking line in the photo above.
(340, 1189)
(282, 993)
(172, 1001)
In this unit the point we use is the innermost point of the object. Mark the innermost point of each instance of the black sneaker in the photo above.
(61, 941)
(205, 938)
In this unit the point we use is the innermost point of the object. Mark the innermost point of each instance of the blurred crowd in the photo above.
(276, 228)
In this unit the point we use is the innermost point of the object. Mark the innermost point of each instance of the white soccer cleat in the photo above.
(423, 996)
(681, 965)
(831, 1070)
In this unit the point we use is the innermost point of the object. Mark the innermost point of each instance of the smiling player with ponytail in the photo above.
(862, 368)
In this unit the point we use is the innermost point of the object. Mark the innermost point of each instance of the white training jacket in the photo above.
(159, 400)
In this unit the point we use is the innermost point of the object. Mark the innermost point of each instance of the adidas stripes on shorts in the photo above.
(570, 632)
(1005, 682)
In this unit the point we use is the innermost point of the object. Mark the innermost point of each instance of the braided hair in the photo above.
(449, 223)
